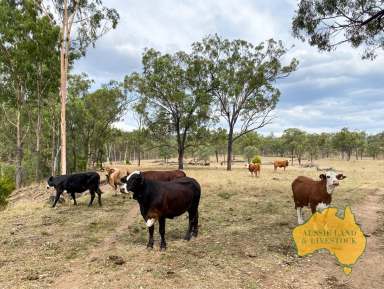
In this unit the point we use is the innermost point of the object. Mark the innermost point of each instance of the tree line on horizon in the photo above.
(294, 144)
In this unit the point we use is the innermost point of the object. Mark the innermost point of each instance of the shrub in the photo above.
(7, 185)
(256, 160)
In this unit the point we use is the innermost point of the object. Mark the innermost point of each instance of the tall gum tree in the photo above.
(241, 78)
(81, 24)
(172, 89)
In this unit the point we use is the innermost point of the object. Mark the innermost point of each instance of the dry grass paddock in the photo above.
(244, 239)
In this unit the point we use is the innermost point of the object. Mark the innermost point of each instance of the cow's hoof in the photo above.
(163, 246)
(150, 246)
(187, 237)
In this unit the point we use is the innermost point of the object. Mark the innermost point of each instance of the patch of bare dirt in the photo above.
(75, 278)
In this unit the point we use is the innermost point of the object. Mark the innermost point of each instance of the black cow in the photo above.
(161, 200)
(76, 183)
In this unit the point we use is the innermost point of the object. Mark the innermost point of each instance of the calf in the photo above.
(113, 178)
(315, 194)
(280, 164)
(76, 183)
(253, 169)
(164, 200)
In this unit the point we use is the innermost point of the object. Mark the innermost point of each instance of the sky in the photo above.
(329, 91)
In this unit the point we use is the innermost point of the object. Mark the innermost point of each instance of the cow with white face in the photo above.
(315, 194)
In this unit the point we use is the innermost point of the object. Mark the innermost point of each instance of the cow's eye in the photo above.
(328, 177)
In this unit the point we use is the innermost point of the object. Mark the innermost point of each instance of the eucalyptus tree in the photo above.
(81, 24)
(217, 140)
(327, 24)
(28, 62)
(173, 94)
(294, 139)
(312, 145)
(343, 141)
(241, 80)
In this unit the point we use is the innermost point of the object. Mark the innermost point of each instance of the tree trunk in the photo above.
(292, 156)
(38, 137)
(19, 151)
(229, 149)
(64, 51)
(53, 144)
(181, 157)
(217, 156)
(63, 99)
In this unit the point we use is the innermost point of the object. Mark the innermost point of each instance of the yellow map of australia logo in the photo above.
(342, 237)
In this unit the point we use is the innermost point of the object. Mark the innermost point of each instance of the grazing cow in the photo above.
(253, 169)
(315, 194)
(76, 183)
(113, 178)
(164, 200)
(280, 164)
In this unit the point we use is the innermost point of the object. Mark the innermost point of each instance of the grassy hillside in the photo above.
(244, 238)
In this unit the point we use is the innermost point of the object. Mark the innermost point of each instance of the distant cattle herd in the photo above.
(164, 195)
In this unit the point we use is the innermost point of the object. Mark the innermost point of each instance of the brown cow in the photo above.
(113, 178)
(280, 164)
(164, 176)
(315, 194)
(253, 169)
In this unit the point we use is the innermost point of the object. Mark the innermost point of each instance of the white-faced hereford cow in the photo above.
(164, 200)
(76, 183)
(314, 194)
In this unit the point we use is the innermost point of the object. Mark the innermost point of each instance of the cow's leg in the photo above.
(58, 194)
(195, 224)
(188, 234)
(115, 187)
(163, 244)
(98, 191)
(150, 236)
(313, 207)
(92, 192)
(299, 211)
(73, 195)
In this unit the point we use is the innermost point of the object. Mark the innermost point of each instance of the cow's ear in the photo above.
(322, 176)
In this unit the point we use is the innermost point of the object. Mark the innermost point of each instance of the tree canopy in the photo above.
(329, 23)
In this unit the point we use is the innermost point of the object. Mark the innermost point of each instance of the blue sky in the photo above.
(329, 91)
